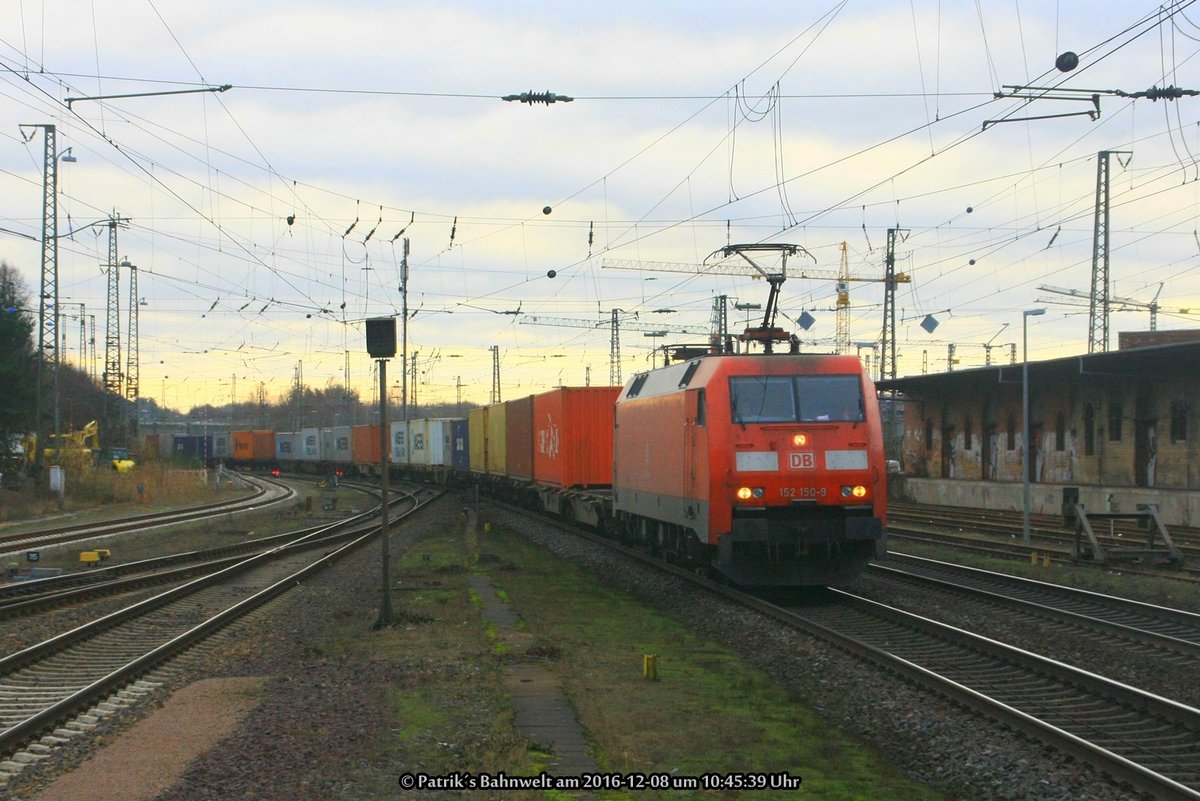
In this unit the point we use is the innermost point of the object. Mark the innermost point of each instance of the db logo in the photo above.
(801, 460)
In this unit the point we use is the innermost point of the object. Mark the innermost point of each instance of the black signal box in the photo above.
(381, 337)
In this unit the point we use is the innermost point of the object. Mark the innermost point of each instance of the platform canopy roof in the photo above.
(1155, 362)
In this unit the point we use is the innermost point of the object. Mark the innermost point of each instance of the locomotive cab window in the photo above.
(793, 399)
(762, 399)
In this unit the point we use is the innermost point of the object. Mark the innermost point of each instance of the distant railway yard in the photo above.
(921, 679)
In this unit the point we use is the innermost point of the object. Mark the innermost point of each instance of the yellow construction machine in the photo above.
(79, 449)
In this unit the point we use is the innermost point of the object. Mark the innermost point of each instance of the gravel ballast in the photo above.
(319, 714)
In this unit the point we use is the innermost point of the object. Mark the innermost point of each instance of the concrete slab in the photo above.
(544, 712)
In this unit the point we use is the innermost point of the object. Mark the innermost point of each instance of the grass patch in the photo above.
(448, 702)
(98, 488)
(709, 711)
(450, 709)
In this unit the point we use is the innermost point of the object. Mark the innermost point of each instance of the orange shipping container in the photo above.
(364, 444)
(254, 446)
(518, 433)
(573, 436)
(150, 446)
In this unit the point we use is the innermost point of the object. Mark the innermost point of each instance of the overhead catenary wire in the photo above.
(643, 222)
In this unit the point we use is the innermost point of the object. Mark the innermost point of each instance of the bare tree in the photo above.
(18, 365)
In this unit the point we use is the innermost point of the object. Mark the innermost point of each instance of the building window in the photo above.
(967, 444)
(1179, 430)
(1060, 432)
(928, 435)
(1114, 422)
(1012, 433)
(1089, 430)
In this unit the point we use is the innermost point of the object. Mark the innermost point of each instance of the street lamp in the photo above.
(1025, 315)
(654, 350)
(163, 402)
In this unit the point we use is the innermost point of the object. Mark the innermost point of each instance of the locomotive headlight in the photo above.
(800, 439)
(744, 493)
(845, 492)
(857, 491)
(758, 492)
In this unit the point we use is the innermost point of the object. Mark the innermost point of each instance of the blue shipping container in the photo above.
(460, 447)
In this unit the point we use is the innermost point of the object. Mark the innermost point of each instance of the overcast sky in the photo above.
(266, 221)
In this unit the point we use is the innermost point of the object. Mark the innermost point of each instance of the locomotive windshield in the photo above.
(796, 399)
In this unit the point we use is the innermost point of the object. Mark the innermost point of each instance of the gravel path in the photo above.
(152, 755)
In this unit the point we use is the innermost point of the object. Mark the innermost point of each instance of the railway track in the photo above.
(1150, 742)
(267, 492)
(1045, 529)
(54, 691)
(998, 534)
(1171, 630)
(27, 597)
(1146, 741)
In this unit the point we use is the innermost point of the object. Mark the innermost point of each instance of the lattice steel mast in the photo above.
(1098, 306)
(614, 349)
(131, 363)
(887, 353)
(47, 406)
(111, 376)
(495, 349)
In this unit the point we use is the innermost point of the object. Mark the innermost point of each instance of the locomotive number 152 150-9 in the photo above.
(803, 492)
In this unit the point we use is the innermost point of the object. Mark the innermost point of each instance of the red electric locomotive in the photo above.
(769, 468)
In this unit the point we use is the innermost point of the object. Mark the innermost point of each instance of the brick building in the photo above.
(1123, 426)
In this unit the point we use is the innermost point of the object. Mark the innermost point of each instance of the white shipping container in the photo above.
(399, 440)
(285, 446)
(339, 451)
(222, 445)
(310, 444)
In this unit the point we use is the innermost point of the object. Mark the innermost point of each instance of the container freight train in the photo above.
(768, 470)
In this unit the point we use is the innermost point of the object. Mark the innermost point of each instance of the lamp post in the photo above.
(163, 402)
(654, 350)
(1025, 315)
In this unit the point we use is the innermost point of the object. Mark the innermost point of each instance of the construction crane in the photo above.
(841, 336)
(615, 323)
(1115, 303)
(563, 322)
(767, 333)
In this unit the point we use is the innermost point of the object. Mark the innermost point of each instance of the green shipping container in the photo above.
(497, 440)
